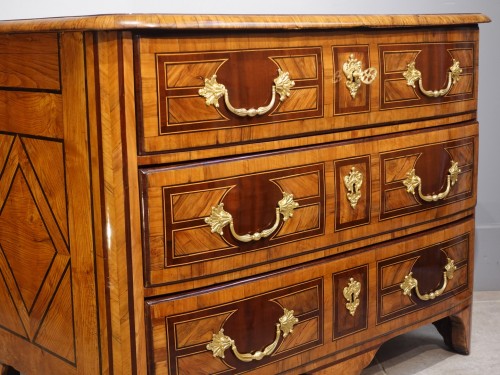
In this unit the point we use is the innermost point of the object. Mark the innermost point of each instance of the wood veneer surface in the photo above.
(166, 21)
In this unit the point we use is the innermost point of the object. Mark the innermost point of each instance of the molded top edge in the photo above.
(236, 22)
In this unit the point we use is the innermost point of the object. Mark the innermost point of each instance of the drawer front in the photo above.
(30, 61)
(420, 278)
(284, 320)
(227, 89)
(251, 322)
(210, 222)
(416, 75)
(248, 76)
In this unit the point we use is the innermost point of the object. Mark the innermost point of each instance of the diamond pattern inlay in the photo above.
(34, 253)
(25, 242)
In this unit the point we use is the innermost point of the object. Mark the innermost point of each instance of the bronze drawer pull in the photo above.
(410, 283)
(412, 181)
(355, 76)
(221, 342)
(214, 90)
(412, 74)
(219, 218)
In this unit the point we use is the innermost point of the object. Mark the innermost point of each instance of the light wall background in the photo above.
(487, 261)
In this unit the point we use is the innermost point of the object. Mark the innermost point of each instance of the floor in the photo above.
(423, 351)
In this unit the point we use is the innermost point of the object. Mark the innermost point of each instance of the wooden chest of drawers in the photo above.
(234, 194)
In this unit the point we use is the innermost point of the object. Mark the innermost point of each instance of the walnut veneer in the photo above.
(153, 221)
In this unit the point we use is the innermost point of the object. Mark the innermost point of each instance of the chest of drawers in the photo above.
(234, 194)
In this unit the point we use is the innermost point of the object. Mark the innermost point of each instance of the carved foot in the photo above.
(456, 330)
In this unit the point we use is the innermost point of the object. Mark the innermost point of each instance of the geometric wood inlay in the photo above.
(426, 265)
(34, 253)
(203, 360)
(249, 321)
(25, 243)
(5, 144)
(198, 331)
(47, 159)
(179, 235)
(179, 76)
(56, 331)
(396, 201)
(10, 318)
(433, 60)
(304, 332)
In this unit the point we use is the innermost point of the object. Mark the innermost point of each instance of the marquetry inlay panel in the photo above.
(344, 102)
(34, 248)
(434, 61)
(347, 216)
(180, 76)
(188, 239)
(396, 200)
(345, 192)
(250, 322)
(427, 266)
(344, 322)
(234, 194)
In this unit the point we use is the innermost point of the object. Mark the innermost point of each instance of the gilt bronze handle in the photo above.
(412, 74)
(219, 218)
(411, 283)
(213, 90)
(220, 342)
(412, 181)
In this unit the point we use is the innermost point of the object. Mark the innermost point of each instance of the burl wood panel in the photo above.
(180, 247)
(170, 71)
(180, 326)
(30, 61)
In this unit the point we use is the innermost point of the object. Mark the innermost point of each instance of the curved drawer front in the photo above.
(198, 92)
(284, 320)
(252, 214)
(250, 78)
(416, 75)
(421, 278)
(262, 328)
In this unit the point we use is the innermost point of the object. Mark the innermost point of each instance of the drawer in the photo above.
(213, 222)
(223, 90)
(414, 280)
(30, 61)
(310, 311)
